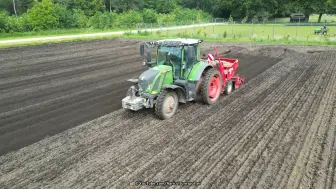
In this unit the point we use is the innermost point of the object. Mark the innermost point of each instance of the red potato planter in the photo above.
(228, 80)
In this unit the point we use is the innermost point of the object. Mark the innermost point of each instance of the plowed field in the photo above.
(61, 125)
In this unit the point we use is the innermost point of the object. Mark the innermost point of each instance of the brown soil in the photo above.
(277, 131)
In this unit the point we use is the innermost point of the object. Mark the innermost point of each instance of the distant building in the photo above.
(298, 17)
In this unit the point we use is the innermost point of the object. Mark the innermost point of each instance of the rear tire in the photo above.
(166, 104)
(211, 86)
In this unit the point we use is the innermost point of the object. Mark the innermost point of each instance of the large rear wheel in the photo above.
(211, 86)
(166, 104)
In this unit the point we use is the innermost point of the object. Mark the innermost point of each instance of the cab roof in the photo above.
(179, 41)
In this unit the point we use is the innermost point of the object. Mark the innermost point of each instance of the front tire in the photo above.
(211, 86)
(166, 104)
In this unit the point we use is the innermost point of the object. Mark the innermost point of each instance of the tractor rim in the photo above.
(169, 105)
(214, 87)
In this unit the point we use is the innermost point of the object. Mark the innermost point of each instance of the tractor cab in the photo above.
(180, 54)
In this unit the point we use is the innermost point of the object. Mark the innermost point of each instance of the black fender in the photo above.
(181, 92)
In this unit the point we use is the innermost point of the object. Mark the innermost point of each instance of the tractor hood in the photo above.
(147, 78)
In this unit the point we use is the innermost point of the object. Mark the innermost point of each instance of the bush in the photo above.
(244, 20)
(225, 34)
(18, 24)
(230, 19)
(165, 18)
(3, 20)
(105, 20)
(188, 15)
(130, 18)
(63, 16)
(149, 16)
(79, 19)
(42, 15)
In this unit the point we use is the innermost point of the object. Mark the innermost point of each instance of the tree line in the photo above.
(27, 15)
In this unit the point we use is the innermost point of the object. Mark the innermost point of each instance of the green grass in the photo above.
(258, 32)
(61, 32)
(268, 33)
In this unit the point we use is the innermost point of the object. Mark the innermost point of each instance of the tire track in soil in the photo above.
(41, 64)
(213, 132)
(288, 147)
(55, 51)
(37, 79)
(54, 89)
(272, 154)
(293, 153)
(129, 150)
(81, 153)
(107, 151)
(200, 117)
(19, 112)
(315, 155)
(70, 83)
(220, 164)
(326, 155)
(302, 160)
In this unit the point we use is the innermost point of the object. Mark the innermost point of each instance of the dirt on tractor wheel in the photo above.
(61, 125)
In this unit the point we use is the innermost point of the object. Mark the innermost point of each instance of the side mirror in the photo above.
(149, 55)
(142, 49)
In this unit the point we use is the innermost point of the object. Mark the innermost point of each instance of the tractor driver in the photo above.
(174, 61)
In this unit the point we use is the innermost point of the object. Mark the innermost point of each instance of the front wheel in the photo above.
(166, 104)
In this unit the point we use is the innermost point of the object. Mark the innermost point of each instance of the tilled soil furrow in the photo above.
(77, 135)
(46, 56)
(61, 74)
(241, 89)
(52, 64)
(144, 135)
(62, 99)
(238, 153)
(325, 171)
(315, 157)
(269, 178)
(158, 157)
(259, 157)
(26, 97)
(276, 131)
(303, 158)
(53, 109)
(227, 116)
(330, 179)
(65, 155)
(50, 122)
(273, 155)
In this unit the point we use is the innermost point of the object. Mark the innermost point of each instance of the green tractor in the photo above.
(178, 75)
(322, 31)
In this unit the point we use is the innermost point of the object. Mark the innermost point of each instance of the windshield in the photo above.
(168, 52)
